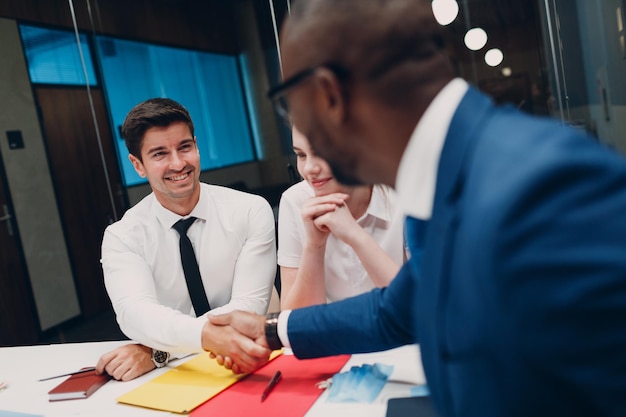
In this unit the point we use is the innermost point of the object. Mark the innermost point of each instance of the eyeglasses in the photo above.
(277, 96)
(277, 93)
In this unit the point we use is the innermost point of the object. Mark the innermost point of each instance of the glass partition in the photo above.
(53, 57)
(586, 59)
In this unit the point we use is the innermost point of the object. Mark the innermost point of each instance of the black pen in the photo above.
(82, 371)
(271, 385)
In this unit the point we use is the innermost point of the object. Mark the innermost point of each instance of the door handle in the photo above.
(6, 217)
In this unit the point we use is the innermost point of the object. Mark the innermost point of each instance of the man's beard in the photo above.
(322, 144)
(342, 176)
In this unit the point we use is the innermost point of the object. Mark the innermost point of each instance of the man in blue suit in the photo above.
(519, 300)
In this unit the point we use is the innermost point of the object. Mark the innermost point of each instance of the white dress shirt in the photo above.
(416, 179)
(344, 272)
(234, 242)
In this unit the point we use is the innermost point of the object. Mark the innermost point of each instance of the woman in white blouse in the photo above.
(334, 241)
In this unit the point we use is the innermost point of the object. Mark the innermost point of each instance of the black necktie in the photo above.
(190, 268)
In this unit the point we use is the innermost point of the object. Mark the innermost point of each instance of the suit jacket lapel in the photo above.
(454, 160)
(439, 241)
(467, 119)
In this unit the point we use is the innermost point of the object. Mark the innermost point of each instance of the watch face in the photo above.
(160, 356)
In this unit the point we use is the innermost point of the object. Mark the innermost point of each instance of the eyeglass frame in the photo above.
(277, 92)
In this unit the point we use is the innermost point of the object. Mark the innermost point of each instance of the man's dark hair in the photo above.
(154, 112)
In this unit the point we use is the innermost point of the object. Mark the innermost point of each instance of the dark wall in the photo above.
(206, 25)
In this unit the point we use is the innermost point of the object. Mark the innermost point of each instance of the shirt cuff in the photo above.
(191, 338)
(281, 328)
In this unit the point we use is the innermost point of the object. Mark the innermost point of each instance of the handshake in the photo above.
(237, 340)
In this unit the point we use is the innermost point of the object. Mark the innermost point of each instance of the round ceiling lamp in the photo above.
(494, 57)
(475, 39)
(445, 11)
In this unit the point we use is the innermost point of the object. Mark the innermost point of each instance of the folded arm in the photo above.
(377, 263)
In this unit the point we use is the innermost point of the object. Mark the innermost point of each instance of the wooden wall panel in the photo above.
(77, 170)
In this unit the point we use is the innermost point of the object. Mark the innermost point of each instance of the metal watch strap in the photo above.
(271, 331)
(160, 358)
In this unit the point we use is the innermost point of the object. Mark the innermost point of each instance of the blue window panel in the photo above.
(53, 57)
(207, 84)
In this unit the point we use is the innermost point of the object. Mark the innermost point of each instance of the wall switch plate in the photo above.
(15, 139)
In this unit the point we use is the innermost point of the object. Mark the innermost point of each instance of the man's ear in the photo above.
(137, 165)
(195, 142)
(330, 97)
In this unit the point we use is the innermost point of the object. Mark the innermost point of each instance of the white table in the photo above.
(407, 373)
(22, 366)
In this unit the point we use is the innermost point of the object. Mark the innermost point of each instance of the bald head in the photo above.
(379, 41)
(359, 76)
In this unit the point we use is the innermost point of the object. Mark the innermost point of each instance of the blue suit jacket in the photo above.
(519, 305)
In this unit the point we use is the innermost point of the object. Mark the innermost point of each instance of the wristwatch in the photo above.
(271, 332)
(160, 358)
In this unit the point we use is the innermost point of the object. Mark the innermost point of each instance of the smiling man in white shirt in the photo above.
(232, 238)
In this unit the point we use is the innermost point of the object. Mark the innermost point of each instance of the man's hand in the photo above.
(248, 324)
(126, 362)
(240, 350)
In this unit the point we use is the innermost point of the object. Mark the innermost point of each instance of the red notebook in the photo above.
(294, 394)
(78, 386)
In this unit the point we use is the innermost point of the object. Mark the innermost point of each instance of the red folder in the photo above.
(78, 386)
(294, 394)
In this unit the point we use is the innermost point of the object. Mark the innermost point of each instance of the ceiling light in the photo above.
(475, 39)
(445, 11)
(494, 57)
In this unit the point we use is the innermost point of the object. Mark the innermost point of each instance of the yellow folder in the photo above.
(185, 387)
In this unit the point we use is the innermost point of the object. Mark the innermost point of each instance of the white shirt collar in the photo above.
(201, 211)
(417, 173)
